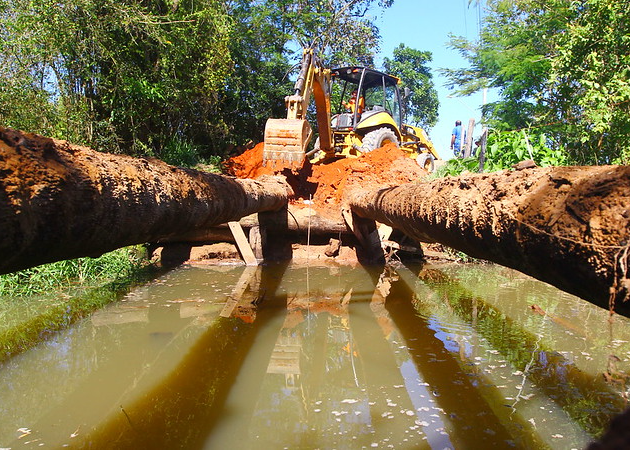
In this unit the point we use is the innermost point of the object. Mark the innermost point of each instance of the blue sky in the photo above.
(425, 25)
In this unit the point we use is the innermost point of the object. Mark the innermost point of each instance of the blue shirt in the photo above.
(457, 131)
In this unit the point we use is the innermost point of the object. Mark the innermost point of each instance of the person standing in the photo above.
(457, 140)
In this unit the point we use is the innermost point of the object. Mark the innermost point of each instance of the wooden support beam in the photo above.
(370, 250)
(243, 244)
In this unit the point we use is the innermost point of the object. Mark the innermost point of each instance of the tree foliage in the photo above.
(166, 77)
(559, 65)
(410, 66)
(342, 30)
(126, 75)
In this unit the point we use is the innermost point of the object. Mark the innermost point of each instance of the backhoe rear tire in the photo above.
(426, 161)
(377, 138)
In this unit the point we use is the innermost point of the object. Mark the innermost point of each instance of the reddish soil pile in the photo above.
(248, 164)
(325, 184)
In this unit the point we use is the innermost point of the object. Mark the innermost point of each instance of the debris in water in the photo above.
(532, 421)
(25, 432)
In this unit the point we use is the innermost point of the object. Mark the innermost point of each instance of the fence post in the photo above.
(483, 142)
(469, 138)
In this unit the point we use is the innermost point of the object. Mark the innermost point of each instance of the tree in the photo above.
(410, 66)
(341, 30)
(164, 78)
(129, 75)
(257, 84)
(591, 72)
(560, 66)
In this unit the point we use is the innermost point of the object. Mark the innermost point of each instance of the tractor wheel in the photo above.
(426, 161)
(377, 138)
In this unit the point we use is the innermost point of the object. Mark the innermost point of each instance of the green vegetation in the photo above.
(183, 81)
(410, 66)
(38, 301)
(506, 148)
(62, 275)
(561, 69)
(509, 147)
(456, 166)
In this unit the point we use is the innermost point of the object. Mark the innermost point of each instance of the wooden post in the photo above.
(483, 142)
(243, 244)
(469, 138)
(370, 250)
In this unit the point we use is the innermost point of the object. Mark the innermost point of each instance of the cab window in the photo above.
(392, 105)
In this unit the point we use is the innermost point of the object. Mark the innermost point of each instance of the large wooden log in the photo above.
(298, 222)
(568, 226)
(59, 201)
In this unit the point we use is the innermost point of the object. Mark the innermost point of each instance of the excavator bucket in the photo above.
(286, 141)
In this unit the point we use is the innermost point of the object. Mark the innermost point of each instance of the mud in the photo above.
(324, 185)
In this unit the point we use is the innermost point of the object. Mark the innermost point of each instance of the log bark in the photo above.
(567, 226)
(294, 221)
(59, 201)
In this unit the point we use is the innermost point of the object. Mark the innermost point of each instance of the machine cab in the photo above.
(377, 96)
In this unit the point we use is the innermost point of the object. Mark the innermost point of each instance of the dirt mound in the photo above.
(248, 164)
(324, 184)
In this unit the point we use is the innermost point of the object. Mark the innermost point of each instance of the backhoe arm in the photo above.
(286, 139)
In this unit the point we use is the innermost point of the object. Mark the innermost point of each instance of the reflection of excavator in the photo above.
(346, 132)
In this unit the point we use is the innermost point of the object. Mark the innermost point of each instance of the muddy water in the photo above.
(282, 357)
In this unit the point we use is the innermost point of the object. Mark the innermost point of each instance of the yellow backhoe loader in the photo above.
(372, 121)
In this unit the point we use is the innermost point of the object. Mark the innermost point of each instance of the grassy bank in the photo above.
(39, 301)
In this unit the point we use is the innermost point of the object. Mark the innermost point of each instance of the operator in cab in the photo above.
(352, 103)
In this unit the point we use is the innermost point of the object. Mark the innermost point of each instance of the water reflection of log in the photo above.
(243, 390)
(381, 375)
(561, 380)
(182, 410)
(454, 389)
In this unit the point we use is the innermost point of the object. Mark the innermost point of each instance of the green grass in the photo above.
(37, 302)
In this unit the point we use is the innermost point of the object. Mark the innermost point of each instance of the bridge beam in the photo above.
(59, 201)
(567, 226)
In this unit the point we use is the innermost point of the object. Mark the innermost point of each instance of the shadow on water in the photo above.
(272, 357)
(183, 409)
(588, 400)
(454, 389)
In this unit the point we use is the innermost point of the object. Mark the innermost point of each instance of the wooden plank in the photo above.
(384, 231)
(243, 244)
